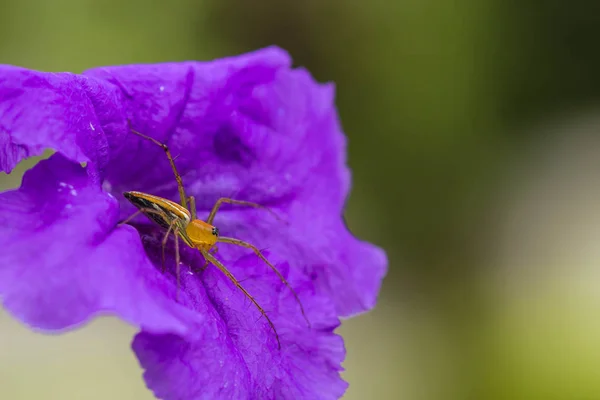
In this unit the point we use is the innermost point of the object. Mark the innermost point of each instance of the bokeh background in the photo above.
(474, 142)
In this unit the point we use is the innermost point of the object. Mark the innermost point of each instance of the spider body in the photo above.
(194, 232)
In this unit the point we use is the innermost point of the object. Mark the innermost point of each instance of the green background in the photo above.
(472, 130)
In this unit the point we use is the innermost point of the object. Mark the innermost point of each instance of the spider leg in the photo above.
(222, 200)
(212, 251)
(247, 245)
(130, 218)
(177, 255)
(138, 212)
(177, 262)
(180, 187)
(192, 201)
(164, 245)
(232, 278)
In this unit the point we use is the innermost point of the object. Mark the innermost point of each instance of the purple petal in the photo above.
(246, 127)
(67, 261)
(188, 106)
(253, 129)
(60, 111)
(238, 356)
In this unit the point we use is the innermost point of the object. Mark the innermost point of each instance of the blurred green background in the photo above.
(473, 139)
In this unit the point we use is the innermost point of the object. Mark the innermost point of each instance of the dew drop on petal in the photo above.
(161, 88)
(92, 126)
(107, 187)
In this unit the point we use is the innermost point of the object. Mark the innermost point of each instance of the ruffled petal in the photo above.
(251, 128)
(188, 106)
(64, 260)
(246, 127)
(78, 116)
(238, 355)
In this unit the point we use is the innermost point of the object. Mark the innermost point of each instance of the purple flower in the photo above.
(246, 127)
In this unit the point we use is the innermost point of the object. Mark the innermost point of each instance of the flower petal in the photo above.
(67, 261)
(187, 106)
(61, 111)
(238, 355)
(246, 127)
(251, 128)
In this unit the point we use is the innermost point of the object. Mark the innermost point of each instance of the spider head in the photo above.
(202, 234)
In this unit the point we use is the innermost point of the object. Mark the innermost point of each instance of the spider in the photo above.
(180, 221)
